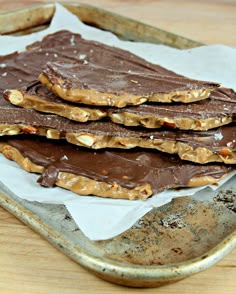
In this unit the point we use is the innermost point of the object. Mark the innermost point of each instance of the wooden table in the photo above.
(28, 263)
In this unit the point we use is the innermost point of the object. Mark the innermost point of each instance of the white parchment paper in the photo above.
(100, 218)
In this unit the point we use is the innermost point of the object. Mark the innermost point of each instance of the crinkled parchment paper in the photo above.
(100, 218)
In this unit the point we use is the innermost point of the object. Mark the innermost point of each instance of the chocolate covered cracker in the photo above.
(93, 84)
(116, 174)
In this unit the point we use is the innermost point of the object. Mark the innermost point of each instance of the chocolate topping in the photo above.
(70, 46)
(125, 168)
(18, 70)
(41, 91)
(109, 80)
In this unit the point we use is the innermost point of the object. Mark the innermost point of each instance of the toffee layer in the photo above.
(117, 174)
(39, 98)
(94, 84)
(213, 145)
(218, 110)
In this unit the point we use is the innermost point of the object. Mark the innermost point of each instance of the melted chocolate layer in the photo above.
(18, 70)
(127, 169)
(72, 46)
(109, 80)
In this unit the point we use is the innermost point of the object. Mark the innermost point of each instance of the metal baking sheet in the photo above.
(170, 243)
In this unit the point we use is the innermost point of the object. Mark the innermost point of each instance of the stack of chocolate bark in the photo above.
(98, 120)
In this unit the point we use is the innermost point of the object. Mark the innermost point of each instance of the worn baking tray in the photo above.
(170, 243)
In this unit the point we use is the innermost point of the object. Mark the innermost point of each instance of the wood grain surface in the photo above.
(28, 263)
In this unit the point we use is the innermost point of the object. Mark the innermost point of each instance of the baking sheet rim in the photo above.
(117, 272)
(131, 275)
